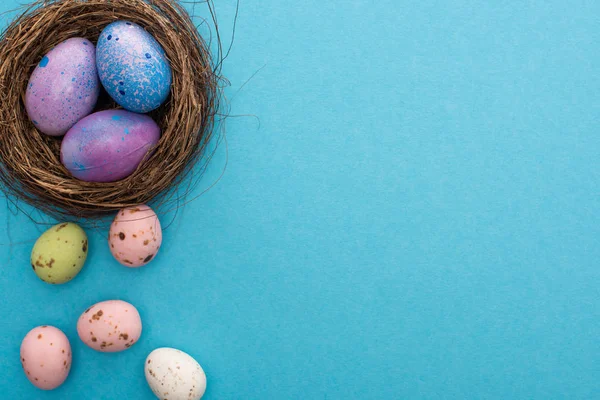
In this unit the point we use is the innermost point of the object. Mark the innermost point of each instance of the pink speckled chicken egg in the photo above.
(110, 326)
(135, 236)
(46, 357)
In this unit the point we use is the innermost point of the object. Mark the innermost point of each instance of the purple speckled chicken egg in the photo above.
(133, 67)
(108, 146)
(64, 87)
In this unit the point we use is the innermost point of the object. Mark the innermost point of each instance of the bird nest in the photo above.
(30, 166)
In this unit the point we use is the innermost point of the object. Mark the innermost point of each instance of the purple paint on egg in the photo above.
(99, 149)
(50, 99)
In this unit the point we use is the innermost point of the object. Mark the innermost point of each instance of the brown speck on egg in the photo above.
(127, 262)
(150, 257)
(146, 242)
(65, 362)
(85, 246)
(33, 266)
(94, 339)
(149, 361)
(36, 379)
(134, 235)
(63, 351)
(112, 245)
(51, 263)
(127, 345)
(40, 336)
(39, 264)
(61, 226)
(121, 236)
(51, 344)
(123, 336)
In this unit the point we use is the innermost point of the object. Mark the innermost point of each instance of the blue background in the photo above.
(416, 216)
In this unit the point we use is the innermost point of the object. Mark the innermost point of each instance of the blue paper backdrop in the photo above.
(415, 217)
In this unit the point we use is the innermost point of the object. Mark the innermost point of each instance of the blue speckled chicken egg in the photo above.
(64, 87)
(133, 67)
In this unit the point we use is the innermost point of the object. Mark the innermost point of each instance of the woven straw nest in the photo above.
(30, 167)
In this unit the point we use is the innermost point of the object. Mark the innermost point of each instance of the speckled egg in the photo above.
(135, 236)
(46, 357)
(64, 87)
(109, 145)
(174, 375)
(110, 326)
(60, 253)
(133, 67)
